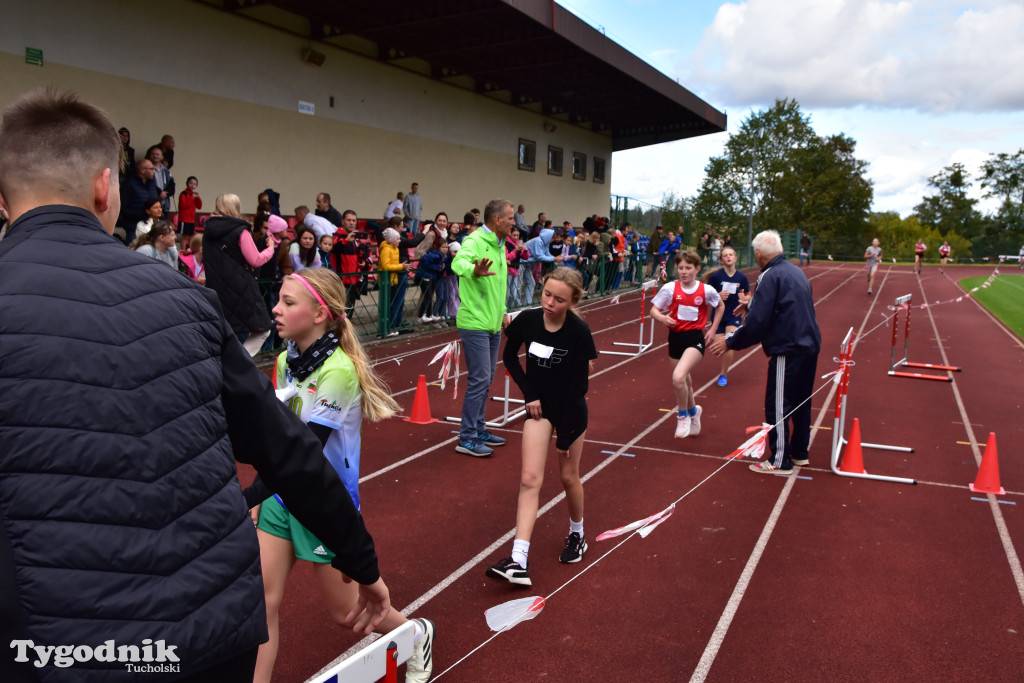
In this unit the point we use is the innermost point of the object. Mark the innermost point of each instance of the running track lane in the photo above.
(670, 589)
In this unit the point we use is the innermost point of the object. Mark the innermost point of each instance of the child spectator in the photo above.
(515, 253)
(333, 386)
(429, 271)
(389, 261)
(325, 246)
(559, 351)
(189, 202)
(303, 252)
(682, 307)
(667, 253)
(444, 279)
(154, 212)
(453, 280)
(193, 260)
(158, 242)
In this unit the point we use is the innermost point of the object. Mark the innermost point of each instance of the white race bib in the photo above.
(540, 350)
(730, 287)
(687, 313)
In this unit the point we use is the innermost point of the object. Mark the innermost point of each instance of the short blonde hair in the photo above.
(228, 204)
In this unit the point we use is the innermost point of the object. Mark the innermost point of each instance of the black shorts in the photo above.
(687, 339)
(187, 228)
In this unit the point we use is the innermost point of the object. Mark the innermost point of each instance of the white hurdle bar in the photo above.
(839, 422)
(640, 346)
(508, 415)
(376, 661)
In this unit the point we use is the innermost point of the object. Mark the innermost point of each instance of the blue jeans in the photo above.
(414, 224)
(480, 349)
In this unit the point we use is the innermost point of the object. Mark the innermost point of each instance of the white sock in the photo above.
(417, 632)
(520, 552)
(576, 526)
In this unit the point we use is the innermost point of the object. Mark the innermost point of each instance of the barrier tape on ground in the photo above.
(957, 299)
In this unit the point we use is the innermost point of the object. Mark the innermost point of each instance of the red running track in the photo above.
(754, 577)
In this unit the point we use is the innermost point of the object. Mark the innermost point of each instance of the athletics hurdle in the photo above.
(903, 303)
(839, 422)
(640, 346)
(377, 661)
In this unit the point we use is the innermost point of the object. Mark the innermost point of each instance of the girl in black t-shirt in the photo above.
(559, 351)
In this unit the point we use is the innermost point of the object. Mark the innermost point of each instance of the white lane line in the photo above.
(997, 513)
(739, 590)
(489, 550)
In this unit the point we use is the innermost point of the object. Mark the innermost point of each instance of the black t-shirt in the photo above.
(557, 369)
(556, 248)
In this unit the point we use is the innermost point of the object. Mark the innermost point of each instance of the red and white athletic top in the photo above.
(689, 309)
(944, 250)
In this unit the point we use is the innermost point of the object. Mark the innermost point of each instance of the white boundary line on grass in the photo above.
(997, 513)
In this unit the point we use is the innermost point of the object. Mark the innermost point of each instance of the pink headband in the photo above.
(316, 296)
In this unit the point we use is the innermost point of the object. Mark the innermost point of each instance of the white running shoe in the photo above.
(682, 427)
(695, 422)
(421, 665)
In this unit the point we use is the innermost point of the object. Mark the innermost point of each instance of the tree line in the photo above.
(777, 171)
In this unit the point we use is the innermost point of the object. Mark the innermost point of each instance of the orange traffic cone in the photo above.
(987, 480)
(421, 405)
(853, 459)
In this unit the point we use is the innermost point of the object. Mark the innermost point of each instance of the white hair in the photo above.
(768, 242)
(390, 235)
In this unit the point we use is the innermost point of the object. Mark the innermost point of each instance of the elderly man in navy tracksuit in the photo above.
(780, 316)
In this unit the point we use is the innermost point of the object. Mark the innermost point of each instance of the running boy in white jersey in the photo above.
(682, 307)
(729, 282)
(872, 257)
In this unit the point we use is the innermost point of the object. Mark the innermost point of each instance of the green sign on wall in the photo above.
(33, 56)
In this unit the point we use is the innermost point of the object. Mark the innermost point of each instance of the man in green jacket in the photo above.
(481, 267)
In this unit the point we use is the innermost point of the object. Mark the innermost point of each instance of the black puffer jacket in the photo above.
(230, 276)
(122, 395)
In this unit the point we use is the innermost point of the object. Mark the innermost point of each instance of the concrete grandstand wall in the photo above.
(228, 90)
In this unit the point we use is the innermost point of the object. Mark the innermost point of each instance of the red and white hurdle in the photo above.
(640, 346)
(839, 422)
(903, 303)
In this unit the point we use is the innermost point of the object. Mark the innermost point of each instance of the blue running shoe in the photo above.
(474, 448)
(723, 380)
(489, 439)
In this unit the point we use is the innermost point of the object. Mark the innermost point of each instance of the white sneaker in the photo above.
(682, 427)
(695, 422)
(426, 319)
(421, 664)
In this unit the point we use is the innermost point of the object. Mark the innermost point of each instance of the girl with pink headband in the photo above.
(325, 377)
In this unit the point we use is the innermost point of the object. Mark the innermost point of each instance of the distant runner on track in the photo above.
(872, 257)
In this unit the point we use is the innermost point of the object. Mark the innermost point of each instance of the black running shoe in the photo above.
(511, 571)
(575, 546)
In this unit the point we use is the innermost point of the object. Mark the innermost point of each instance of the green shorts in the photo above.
(277, 521)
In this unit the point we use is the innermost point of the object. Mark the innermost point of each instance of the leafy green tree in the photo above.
(899, 235)
(1002, 177)
(950, 209)
(791, 178)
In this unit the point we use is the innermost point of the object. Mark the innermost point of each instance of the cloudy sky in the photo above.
(919, 84)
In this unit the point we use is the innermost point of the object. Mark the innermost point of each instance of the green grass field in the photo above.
(1005, 298)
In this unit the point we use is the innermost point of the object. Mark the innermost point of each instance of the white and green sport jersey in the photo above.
(331, 397)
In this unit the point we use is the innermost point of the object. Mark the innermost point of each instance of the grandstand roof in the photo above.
(527, 53)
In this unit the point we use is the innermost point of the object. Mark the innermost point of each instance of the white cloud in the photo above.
(918, 54)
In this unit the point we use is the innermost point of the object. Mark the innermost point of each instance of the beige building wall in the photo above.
(228, 89)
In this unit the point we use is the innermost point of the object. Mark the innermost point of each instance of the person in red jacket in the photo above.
(189, 202)
(346, 252)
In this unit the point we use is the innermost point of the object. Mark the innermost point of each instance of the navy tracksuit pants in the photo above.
(790, 384)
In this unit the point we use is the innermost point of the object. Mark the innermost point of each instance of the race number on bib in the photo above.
(687, 313)
(730, 287)
(540, 350)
